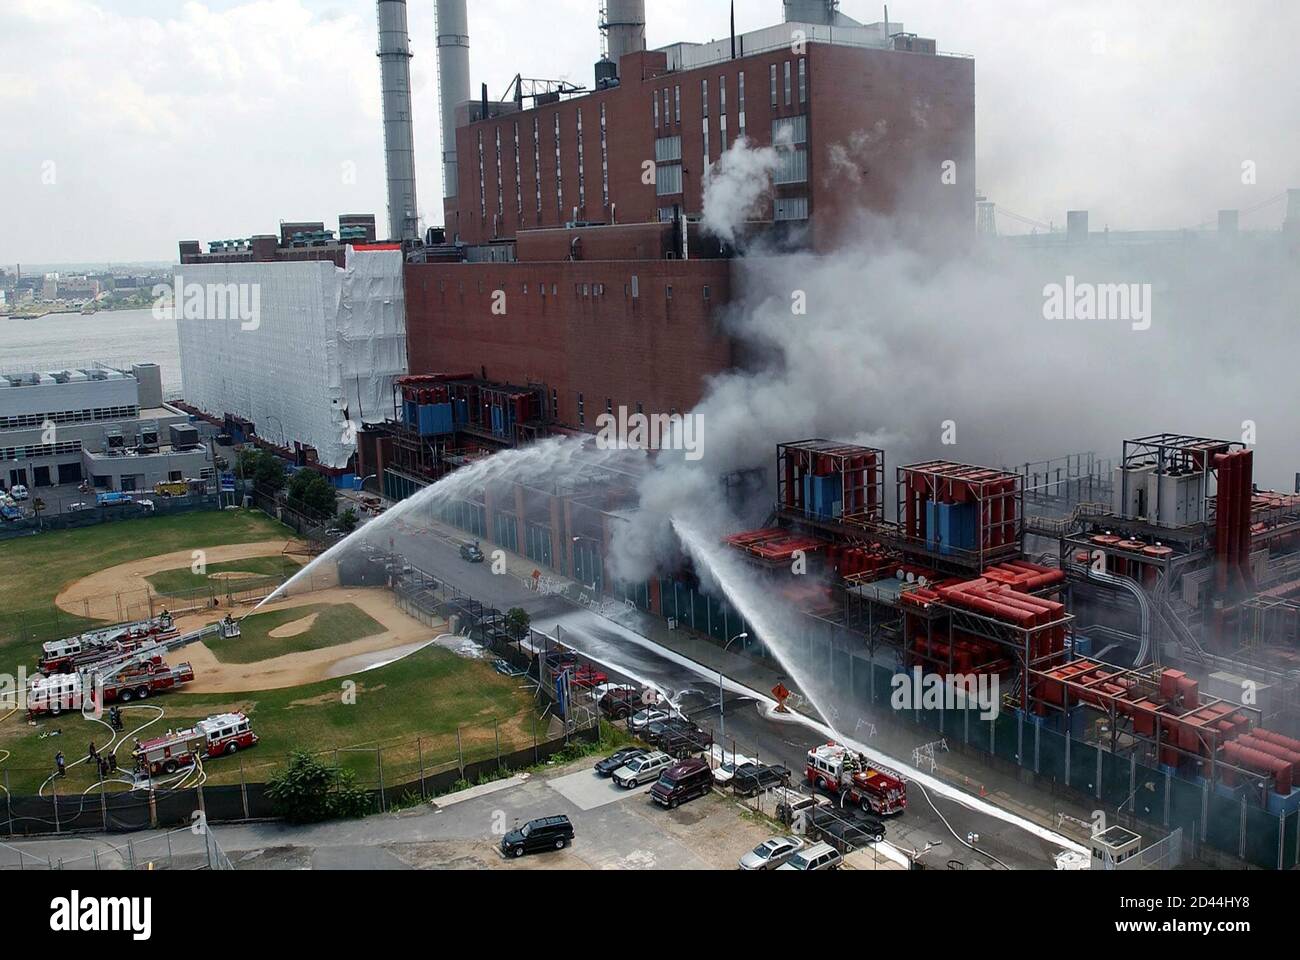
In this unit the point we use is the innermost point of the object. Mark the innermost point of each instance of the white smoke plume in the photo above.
(736, 187)
(895, 344)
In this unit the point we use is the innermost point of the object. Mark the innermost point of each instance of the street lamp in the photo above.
(722, 717)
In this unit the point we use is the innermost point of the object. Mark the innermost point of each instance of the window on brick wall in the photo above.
(740, 105)
(775, 100)
(803, 80)
(788, 91)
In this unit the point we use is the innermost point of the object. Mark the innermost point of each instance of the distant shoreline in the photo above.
(76, 312)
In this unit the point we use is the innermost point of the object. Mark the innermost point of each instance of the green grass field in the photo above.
(184, 581)
(34, 569)
(335, 624)
(424, 697)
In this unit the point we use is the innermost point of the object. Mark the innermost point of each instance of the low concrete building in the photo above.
(107, 427)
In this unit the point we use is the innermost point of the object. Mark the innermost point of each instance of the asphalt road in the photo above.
(627, 656)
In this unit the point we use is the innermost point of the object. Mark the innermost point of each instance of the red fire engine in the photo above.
(73, 691)
(216, 736)
(837, 769)
(77, 653)
(138, 682)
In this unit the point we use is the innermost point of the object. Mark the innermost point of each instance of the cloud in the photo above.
(214, 119)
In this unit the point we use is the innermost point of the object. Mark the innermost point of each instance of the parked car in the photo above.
(9, 513)
(791, 805)
(546, 833)
(618, 758)
(847, 827)
(658, 729)
(683, 781)
(725, 764)
(756, 777)
(684, 739)
(471, 553)
(771, 853)
(18, 492)
(642, 769)
(618, 703)
(643, 718)
(820, 856)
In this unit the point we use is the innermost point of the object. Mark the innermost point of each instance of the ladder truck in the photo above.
(841, 772)
(73, 653)
(222, 735)
(127, 676)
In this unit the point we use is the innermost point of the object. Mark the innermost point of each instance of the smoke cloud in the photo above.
(888, 344)
(736, 187)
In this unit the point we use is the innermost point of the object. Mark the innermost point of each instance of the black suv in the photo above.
(547, 833)
(684, 740)
(471, 552)
(754, 778)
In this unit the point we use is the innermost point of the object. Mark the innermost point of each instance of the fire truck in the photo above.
(73, 691)
(75, 653)
(214, 737)
(838, 770)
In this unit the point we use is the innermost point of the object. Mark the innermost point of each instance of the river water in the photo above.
(64, 340)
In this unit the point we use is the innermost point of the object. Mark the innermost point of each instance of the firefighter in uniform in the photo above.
(60, 765)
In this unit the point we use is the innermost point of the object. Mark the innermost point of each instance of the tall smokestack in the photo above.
(453, 84)
(625, 27)
(811, 11)
(399, 136)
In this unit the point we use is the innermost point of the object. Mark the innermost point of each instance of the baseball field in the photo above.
(336, 670)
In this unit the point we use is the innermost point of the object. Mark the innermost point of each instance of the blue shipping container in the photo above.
(435, 419)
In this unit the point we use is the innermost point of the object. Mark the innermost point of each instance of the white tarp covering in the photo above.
(302, 349)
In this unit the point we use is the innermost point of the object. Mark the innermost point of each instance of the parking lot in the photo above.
(615, 829)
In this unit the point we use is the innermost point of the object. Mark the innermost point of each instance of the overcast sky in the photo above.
(126, 125)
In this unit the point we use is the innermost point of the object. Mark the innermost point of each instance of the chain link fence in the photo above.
(186, 848)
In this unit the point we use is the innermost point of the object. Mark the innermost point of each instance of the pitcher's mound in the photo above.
(295, 629)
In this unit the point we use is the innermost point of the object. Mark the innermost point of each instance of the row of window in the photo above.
(631, 289)
(537, 168)
(668, 148)
(787, 73)
(32, 420)
(32, 451)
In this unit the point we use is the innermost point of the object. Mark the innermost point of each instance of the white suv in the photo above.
(820, 856)
(642, 769)
(19, 492)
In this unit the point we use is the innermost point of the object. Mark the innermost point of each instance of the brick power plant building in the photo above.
(571, 282)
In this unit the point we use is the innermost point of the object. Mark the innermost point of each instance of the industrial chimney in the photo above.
(624, 27)
(399, 137)
(811, 11)
(453, 84)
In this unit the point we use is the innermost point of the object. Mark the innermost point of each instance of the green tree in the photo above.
(269, 471)
(262, 468)
(517, 623)
(309, 791)
(348, 520)
(313, 491)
